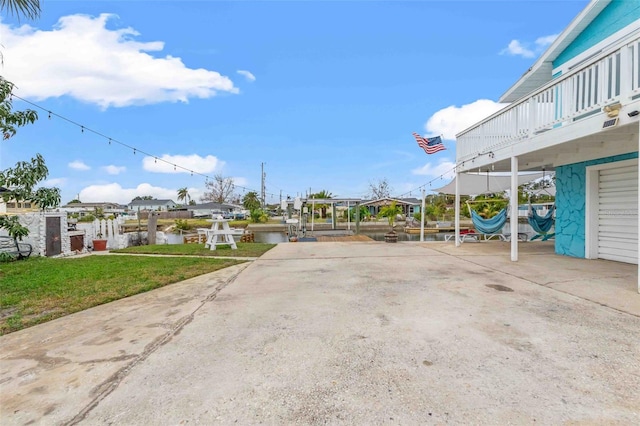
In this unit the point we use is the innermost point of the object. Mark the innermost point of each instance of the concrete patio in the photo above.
(346, 333)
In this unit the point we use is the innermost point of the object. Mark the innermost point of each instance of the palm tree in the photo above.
(324, 194)
(390, 212)
(183, 195)
(251, 201)
(28, 8)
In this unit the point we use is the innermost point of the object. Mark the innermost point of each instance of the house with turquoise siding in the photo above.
(575, 111)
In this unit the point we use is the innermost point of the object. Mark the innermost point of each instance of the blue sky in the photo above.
(325, 94)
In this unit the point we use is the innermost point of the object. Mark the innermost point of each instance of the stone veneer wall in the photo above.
(570, 204)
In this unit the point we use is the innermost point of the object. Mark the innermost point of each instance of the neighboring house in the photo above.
(409, 206)
(84, 209)
(14, 207)
(575, 111)
(206, 209)
(152, 205)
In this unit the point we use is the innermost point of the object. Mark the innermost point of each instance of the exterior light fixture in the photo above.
(613, 110)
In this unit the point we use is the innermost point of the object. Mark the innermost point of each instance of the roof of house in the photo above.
(211, 206)
(153, 202)
(540, 72)
(387, 200)
(92, 205)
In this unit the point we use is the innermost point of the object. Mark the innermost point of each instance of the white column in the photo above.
(457, 209)
(422, 218)
(514, 209)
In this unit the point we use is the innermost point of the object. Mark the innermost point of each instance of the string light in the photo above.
(135, 150)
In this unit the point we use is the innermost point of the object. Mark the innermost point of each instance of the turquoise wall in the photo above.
(617, 15)
(570, 204)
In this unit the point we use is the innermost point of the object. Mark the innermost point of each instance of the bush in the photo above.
(258, 216)
(182, 225)
(87, 218)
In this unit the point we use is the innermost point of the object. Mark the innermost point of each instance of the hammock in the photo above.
(541, 224)
(489, 226)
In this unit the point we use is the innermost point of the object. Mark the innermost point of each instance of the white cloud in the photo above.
(80, 57)
(114, 170)
(444, 168)
(192, 162)
(247, 74)
(452, 120)
(543, 42)
(113, 192)
(518, 48)
(515, 48)
(55, 182)
(240, 181)
(78, 165)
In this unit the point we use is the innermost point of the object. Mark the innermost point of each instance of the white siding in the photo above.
(618, 214)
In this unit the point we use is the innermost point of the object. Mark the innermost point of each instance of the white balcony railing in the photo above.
(613, 76)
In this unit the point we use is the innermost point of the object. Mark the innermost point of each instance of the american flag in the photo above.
(430, 145)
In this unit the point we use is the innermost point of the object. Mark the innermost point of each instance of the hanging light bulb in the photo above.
(82, 129)
(155, 160)
(49, 115)
(134, 151)
(109, 141)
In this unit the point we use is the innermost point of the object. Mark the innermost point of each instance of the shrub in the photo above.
(182, 225)
(258, 216)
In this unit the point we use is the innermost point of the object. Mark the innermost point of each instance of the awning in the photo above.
(484, 183)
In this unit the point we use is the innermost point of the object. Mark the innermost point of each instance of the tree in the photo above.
(18, 184)
(11, 120)
(74, 201)
(251, 201)
(28, 8)
(390, 212)
(183, 195)
(144, 197)
(380, 189)
(323, 195)
(220, 189)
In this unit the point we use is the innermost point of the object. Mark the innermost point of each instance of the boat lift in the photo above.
(297, 228)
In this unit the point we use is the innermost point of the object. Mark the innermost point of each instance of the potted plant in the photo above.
(98, 243)
(391, 212)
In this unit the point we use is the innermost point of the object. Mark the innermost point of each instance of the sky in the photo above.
(319, 95)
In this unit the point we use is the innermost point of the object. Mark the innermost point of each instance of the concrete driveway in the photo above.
(346, 333)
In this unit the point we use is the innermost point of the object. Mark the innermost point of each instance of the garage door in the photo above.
(618, 214)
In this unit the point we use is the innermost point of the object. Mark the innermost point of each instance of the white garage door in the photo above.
(618, 214)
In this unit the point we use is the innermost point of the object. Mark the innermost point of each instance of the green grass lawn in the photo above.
(40, 289)
(244, 249)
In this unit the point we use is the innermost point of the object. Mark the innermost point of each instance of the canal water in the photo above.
(281, 237)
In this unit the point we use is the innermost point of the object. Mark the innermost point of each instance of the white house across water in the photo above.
(576, 111)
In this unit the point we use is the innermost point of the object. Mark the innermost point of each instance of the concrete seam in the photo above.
(114, 381)
(548, 286)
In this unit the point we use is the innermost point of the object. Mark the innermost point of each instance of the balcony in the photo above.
(557, 112)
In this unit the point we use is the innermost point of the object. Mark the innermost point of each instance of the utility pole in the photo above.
(263, 187)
